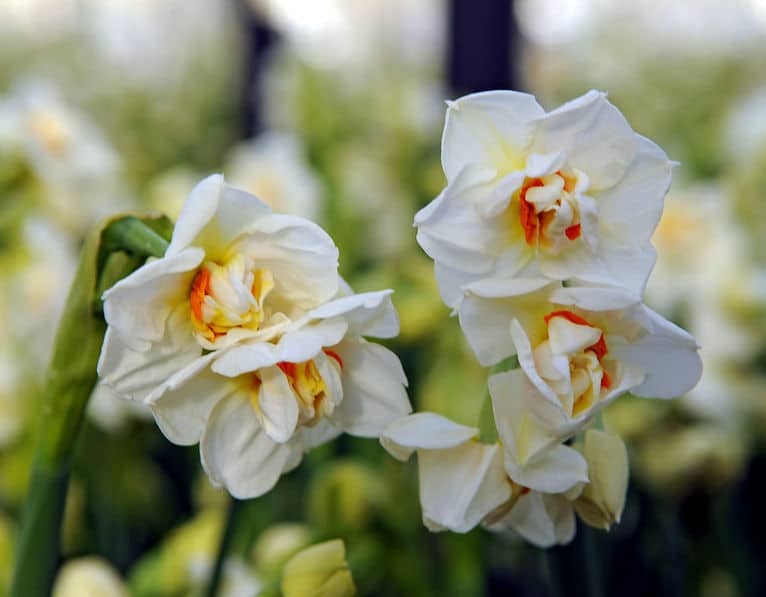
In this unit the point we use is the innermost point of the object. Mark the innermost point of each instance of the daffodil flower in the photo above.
(573, 194)
(579, 347)
(233, 271)
(463, 483)
(461, 479)
(256, 407)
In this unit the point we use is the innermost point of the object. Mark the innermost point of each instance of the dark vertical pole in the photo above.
(258, 39)
(482, 45)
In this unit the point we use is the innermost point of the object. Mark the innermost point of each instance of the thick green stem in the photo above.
(68, 384)
(38, 542)
(233, 519)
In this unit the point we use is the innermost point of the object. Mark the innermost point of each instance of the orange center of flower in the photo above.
(535, 219)
(307, 385)
(228, 296)
(599, 348)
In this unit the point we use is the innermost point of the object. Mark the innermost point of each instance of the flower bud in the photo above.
(319, 571)
(601, 502)
(89, 577)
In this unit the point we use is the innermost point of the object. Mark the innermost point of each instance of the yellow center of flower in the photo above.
(228, 296)
(571, 361)
(549, 211)
(308, 387)
(49, 131)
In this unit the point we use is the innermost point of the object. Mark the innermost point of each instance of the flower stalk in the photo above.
(109, 254)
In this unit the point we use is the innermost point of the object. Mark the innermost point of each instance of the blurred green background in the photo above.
(333, 109)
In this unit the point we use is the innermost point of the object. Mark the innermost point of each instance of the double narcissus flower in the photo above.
(541, 245)
(243, 337)
(464, 483)
(569, 194)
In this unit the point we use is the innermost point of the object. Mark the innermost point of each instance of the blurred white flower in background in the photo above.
(89, 577)
(70, 159)
(349, 33)
(11, 417)
(745, 128)
(133, 36)
(703, 276)
(705, 25)
(38, 288)
(273, 167)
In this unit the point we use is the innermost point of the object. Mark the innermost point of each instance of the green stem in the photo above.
(593, 568)
(134, 235)
(69, 382)
(233, 518)
(38, 544)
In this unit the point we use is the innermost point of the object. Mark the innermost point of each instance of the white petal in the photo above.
(539, 165)
(214, 215)
(490, 128)
(451, 229)
(568, 338)
(182, 412)
(667, 354)
(619, 267)
(635, 203)
(459, 486)
(300, 255)
(295, 346)
(554, 470)
(237, 453)
(527, 361)
(368, 314)
(138, 306)
(304, 343)
(487, 309)
(523, 435)
(543, 520)
(136, 374)
(451, 282)
(199, 209)
(497, 202)
(279, 408)
(424, 430)
(308, 438)
(594, 299)
(246, 357)
(594, 135)
(374, 391)
(329, 370)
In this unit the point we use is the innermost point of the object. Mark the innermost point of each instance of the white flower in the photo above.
(258, 406)
(571, 194)
(272, 167)
(89, 576)
(70, 158)
(233, 271)
(579, 347)
(285, 365)
(461, 479)
(463, 483)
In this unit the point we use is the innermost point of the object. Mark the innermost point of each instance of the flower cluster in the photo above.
(541, 246)
(244, 338)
